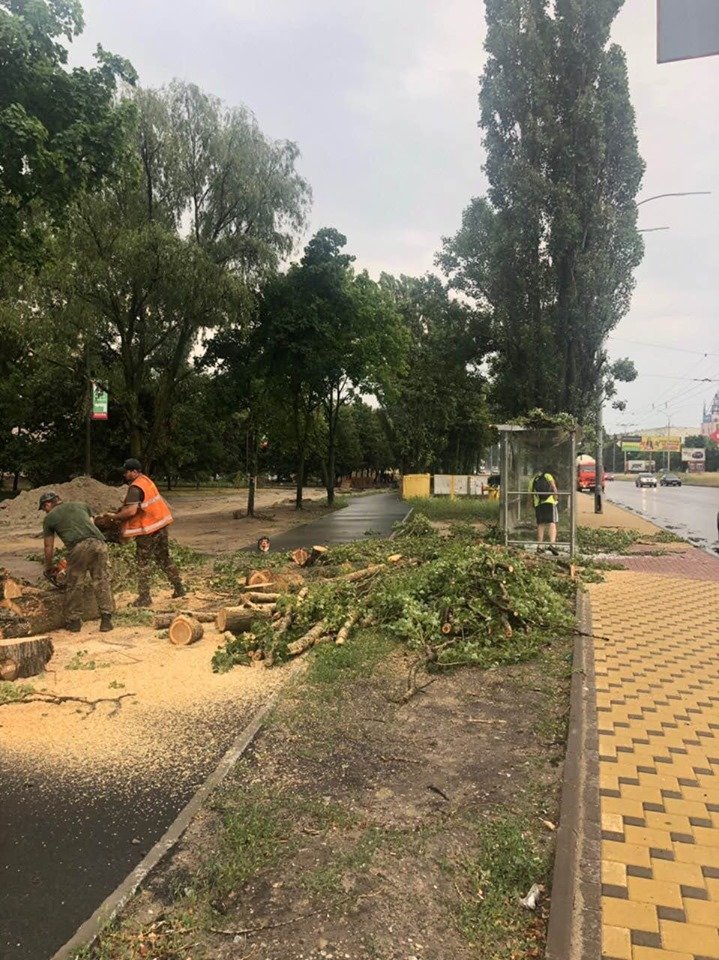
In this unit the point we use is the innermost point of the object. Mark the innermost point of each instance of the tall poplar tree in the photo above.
(550, 252)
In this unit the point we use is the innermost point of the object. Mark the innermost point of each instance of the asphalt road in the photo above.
(690, 512)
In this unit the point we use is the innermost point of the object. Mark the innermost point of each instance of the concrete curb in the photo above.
(108, 910)
(574, 931)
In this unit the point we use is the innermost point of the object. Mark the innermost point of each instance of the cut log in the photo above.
(185, 630)
(302, 596)
(239, 619)
(24, 658)
(10, 589)
(301, 556)
(344, 632)
(40, 611)
(308, 640)
(256, 578)
(394, 558)
(163, 620)
(316, 554)
(362, 574)
(263, 597)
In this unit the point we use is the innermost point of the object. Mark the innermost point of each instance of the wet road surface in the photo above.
(690, 512)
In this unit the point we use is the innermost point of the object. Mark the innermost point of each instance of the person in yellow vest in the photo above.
(145, 518)
(545, 500)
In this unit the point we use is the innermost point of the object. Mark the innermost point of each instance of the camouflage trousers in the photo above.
(154, 548)
(87, 556)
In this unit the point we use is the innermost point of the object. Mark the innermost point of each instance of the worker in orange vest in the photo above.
(145, 518)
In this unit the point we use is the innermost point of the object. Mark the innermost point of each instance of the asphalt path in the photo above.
(372, 515)
(60, 855)
(690, 512)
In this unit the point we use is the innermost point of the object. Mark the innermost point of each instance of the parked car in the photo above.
(670, 480)
(645, 480)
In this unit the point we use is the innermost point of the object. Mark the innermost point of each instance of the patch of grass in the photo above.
(134, 617)
(501, 866)
(254, 829)
(163, 939)
(14, 692)
(461, 508)
(332, 666)
(80, 662)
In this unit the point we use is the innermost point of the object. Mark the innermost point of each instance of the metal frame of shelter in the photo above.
(524, 452)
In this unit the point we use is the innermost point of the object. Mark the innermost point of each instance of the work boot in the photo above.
(105, 623)
(74, 626)
(180, 591)
(142, 601)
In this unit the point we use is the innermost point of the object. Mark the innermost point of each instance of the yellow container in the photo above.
(416, 485)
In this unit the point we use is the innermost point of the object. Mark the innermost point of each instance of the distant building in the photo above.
(710, 418)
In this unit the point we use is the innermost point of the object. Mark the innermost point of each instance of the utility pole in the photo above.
(599, 459)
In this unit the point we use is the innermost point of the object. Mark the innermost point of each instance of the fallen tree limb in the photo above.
(308, 640)
(363, 574)
(346, 627)
(39, 696)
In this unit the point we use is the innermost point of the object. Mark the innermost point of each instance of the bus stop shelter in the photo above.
(526, 451)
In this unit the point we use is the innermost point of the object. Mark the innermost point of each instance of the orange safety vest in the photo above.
(153, 513)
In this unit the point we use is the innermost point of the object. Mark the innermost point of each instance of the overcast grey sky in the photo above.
(381, 96)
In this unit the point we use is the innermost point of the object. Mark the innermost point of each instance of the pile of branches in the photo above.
(452, 599)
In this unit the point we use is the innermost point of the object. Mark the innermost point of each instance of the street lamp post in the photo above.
(599, 460)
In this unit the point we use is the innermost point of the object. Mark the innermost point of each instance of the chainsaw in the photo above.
(57, 574)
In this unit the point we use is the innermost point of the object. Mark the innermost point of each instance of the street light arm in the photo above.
(687, 193)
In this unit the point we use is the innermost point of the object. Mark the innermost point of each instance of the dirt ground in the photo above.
(126, 706)
(357, 826)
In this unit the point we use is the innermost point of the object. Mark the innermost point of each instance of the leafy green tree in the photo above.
(550, 251)
(212, 168)
(61, 131)
(437, 411)
(146, 293)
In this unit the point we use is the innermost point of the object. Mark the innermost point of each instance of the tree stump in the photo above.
(185, 630)
(257, 577)
(24, 658)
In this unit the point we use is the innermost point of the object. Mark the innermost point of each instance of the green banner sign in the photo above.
(99, 402)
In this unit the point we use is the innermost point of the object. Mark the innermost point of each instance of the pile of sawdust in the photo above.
(98, 496)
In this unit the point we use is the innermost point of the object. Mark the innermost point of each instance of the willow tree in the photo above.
(551, 249)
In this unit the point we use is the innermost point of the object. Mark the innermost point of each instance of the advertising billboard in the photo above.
(99, 402)
(687, 29)
(693, 455)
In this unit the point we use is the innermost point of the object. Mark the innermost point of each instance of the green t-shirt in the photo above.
(72, 522)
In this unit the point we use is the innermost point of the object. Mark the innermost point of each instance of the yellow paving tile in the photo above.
(699, 940)
(702, 912)
(616, 943)
(689, 874)
(625, 853)
(614, 873)
(668, 821)
(634, 916)
(706, 836)
(691, 853)
(659, 892)
(646, 837)
(649, 953)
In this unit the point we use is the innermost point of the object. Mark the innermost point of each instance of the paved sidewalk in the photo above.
(655, 629)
